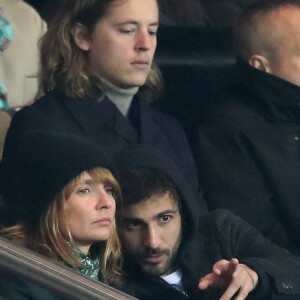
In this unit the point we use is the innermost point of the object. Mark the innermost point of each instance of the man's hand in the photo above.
(238, 279)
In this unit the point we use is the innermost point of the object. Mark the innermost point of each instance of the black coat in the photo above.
(14, 288)
(207, 239)
(102, 123)
(248, 155)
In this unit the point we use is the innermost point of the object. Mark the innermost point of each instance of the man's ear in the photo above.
(81, 37)
(259, 62)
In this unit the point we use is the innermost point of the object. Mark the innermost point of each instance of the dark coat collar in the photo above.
(94, 116)
(277, 98)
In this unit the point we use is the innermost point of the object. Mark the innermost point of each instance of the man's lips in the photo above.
(154, 259)
(141, 64)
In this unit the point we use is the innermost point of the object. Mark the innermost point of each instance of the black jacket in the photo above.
(102, 123)
(206, 239)
(248, 154)
(14, 288)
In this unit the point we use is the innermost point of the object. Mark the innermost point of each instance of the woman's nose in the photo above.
(105, 199)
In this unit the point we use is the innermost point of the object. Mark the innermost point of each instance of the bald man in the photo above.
(247, 146)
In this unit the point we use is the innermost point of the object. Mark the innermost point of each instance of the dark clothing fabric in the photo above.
(102, 123)
(207, 239)
(247, 152)
(14, 288)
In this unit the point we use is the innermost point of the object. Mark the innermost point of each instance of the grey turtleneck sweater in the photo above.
(121, 97)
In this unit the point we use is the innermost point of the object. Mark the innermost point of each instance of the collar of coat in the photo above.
(277, 98)
(93, 116)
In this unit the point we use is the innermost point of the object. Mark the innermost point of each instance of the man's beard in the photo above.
(158, 269)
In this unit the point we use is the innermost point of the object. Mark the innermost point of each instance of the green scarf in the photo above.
(88, 266)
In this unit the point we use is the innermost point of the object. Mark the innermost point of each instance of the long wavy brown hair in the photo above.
(64, 65)
(51, 235)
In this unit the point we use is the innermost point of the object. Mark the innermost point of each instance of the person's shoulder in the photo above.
(26, 9)
(21, 11)
(219, 217)
(7, 3)
(46, 103)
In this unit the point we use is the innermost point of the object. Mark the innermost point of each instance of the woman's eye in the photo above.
(84, 191)
(109, 190)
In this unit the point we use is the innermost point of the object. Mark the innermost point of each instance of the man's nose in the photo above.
(144, 40)
(152, 239)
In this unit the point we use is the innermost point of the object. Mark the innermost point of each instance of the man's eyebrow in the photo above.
(166, 212)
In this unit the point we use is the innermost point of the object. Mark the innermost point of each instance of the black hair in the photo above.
(140, 184)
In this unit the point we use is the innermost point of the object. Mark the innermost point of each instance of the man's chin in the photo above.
(154, 269)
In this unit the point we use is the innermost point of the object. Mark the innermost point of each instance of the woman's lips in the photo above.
(103, 221)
